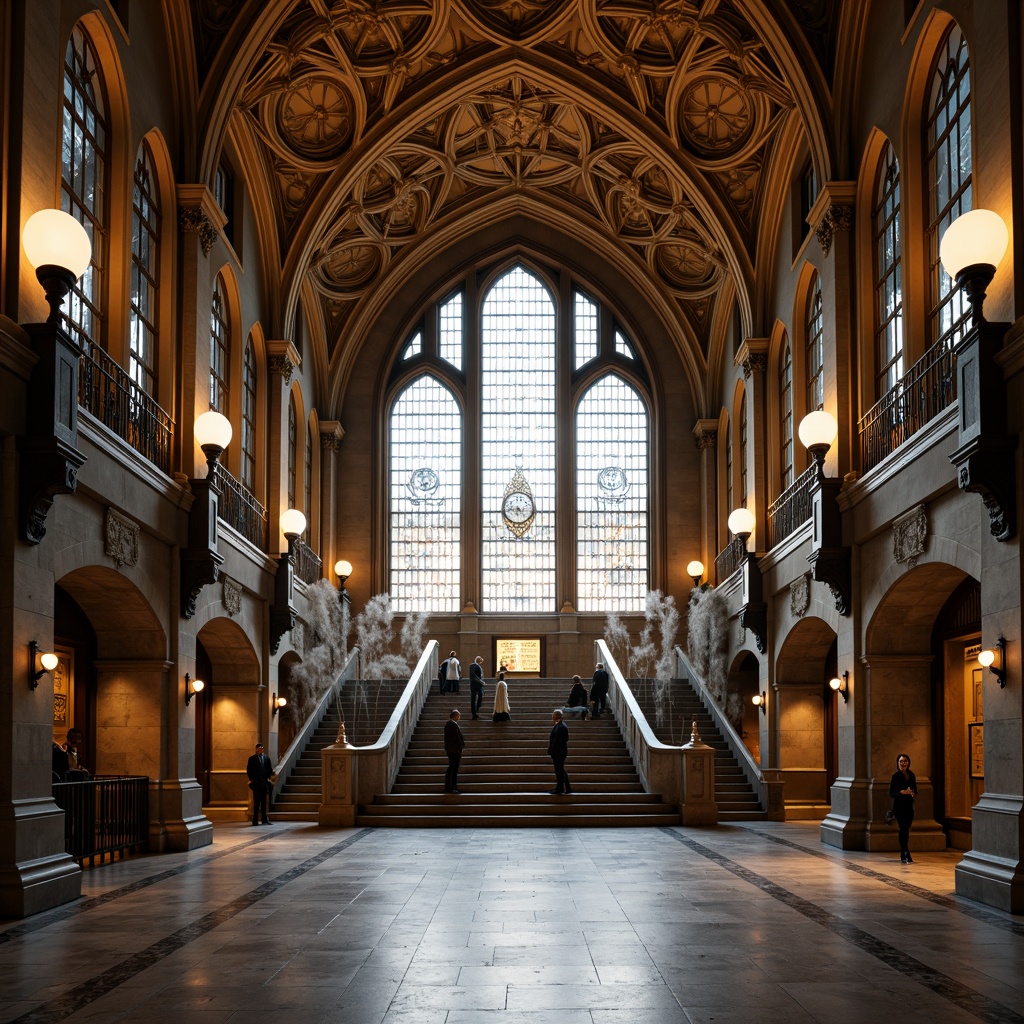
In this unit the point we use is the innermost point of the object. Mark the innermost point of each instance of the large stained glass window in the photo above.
(888, 271)
(560, 435)
(815, 350)
(249, 383)
(142, 331)
(220, 351)
(517, 371)
(611, 498)
(425, 498)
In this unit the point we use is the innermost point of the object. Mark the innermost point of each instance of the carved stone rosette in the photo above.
(909, 534)
(121, 539)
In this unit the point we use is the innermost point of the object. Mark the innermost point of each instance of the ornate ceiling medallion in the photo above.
(517, 508)
(715, 116)
(314, 117)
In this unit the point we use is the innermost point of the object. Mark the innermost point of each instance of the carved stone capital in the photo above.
(909, 534)
(193, 220)
(121, 539)
(705, 433)
(282, 358)
(331, 434)
(281, 366)
(838, 218)
(754, 363)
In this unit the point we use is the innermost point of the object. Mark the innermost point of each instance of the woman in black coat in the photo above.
(903, 789)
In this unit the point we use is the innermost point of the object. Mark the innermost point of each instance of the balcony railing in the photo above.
(306, 562)
(106, 391)
(104, 815)
(927, 388)
(240, 509)
(792, 508)
(730, 559)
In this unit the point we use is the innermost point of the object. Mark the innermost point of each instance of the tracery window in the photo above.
(220, 350)
(293, 443)
(533, 458)
(888, 277)
(815, 350)
(84, 159)
(249, 416)
(786, 477)
(949, 179)
(142, 329)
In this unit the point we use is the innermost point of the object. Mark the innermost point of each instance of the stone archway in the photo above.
(901, 704)
(805, 717)
(229, 720)
(743, 684)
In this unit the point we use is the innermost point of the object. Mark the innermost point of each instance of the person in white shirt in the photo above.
(454, 672)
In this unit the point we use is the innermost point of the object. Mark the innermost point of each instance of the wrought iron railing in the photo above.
(927, 388)
(104, 815)
(730, 559)
(117, 401)
(792, 508)
(306, 562)
(240, 510)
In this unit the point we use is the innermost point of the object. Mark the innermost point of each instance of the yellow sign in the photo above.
(519, 655)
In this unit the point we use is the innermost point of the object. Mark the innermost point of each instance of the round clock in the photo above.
(517, 507)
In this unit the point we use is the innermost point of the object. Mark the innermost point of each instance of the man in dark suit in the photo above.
(454, 743)
(476, 685)
(599, 691)
(558, 751)
(259, 769)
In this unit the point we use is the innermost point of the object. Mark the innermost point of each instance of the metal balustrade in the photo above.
(730, 559)
(792, 508)
(107, 392)
(104, 815)
(927, 388)
(240, 510)
(306, 562)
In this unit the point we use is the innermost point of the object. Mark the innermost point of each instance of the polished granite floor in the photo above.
(741, 923)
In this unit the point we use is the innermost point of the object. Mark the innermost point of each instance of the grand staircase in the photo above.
(506, 775)
(680, 706)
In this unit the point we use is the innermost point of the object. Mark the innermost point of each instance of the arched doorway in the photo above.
(743, 684)
(286, 725)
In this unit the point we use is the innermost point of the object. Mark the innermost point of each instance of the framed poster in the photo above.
(976, 748)
(519, 654)
(977, 711)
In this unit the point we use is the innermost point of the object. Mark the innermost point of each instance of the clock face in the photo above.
(517, 507)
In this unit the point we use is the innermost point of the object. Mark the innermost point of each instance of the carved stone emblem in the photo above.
(121, 540)
(192, 220)
(299, 637)
(909, 534)
(231, 596)
(800, 596)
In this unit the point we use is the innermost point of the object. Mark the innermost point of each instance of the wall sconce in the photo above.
(995, 660)
(741, 522)
(201, 561)
(39, 663)
(760, 700)
(59, 250)
(192, 687)
(277, 703)
(695, 570)
(970, 250)
(841, 686)
(829, 558)
(282, 611)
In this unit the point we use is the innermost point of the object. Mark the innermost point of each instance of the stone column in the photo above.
(284, 358)
(753, 357)
(706, 434)
(333, 546)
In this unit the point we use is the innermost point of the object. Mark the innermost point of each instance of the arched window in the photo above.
(220, 350)
(888, 282)
(142, 330)
(425, 498)
(744, 449)
(249, 416)
(518, 356)
(611, 497)
(786, 477)
(948, 131)
(293, 444)
(520, 392)
(729, 487)
(84, 159)
(815, 350)
(307, 484)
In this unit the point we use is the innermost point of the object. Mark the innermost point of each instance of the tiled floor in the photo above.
(753, 924)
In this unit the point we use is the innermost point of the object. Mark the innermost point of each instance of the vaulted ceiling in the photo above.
(664, 130)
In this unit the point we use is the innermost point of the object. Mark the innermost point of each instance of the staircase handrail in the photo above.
(379, 762)
(751, 769)
(658, 764)
(350, 670)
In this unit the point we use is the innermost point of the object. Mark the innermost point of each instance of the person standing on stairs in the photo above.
(502, 711)
(454, 744)
(454, 672)
(599, 690)
(476, 685)
(558, 751)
